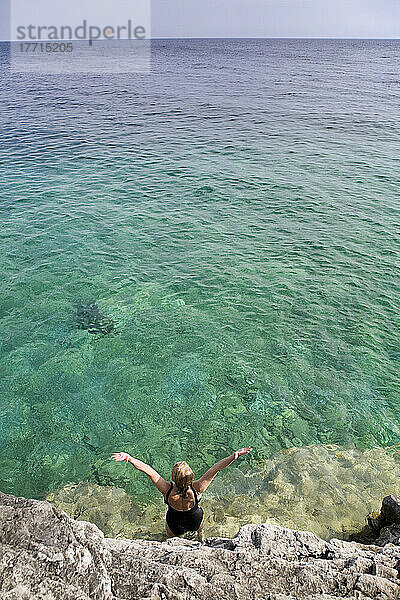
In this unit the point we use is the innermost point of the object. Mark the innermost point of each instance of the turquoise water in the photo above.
(233, 217)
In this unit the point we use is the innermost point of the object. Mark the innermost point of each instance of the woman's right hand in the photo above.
(122, 456)
(242, 451)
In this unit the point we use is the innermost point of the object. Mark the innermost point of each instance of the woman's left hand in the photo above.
(121, 456)
(242, 451)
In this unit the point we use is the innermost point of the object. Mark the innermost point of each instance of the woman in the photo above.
(182, 494)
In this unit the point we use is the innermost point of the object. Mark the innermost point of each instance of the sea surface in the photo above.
(198, 259)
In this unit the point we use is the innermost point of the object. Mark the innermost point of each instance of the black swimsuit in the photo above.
(181, 521)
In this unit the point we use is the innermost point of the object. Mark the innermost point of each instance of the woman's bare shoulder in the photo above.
(196, 487)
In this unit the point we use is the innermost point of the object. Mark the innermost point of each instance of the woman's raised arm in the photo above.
(156, 478)
(202, 484)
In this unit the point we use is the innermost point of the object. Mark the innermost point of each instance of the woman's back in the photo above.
(177, 502)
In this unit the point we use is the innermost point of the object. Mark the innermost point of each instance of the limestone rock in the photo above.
(46, 555)
(390, 511)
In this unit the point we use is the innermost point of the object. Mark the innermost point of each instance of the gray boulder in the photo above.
(45, 555)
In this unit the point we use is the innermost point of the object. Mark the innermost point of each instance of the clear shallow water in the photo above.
(325, 489)
(236, 214)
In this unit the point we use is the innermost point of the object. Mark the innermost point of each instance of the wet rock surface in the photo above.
(382, 528)
(47, 555)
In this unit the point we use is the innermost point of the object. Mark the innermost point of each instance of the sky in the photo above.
(276, 18)
(258, 18)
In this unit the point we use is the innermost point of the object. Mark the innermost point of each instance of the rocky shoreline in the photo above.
(46, 555)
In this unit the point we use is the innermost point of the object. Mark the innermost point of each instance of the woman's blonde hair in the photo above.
(182, 474)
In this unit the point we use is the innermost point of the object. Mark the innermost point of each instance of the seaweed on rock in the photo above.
(89, 317)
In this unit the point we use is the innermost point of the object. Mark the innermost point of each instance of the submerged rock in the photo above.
(88, 316)
(384, 527)
(110, 508)
(324, 489)
(45, 555)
